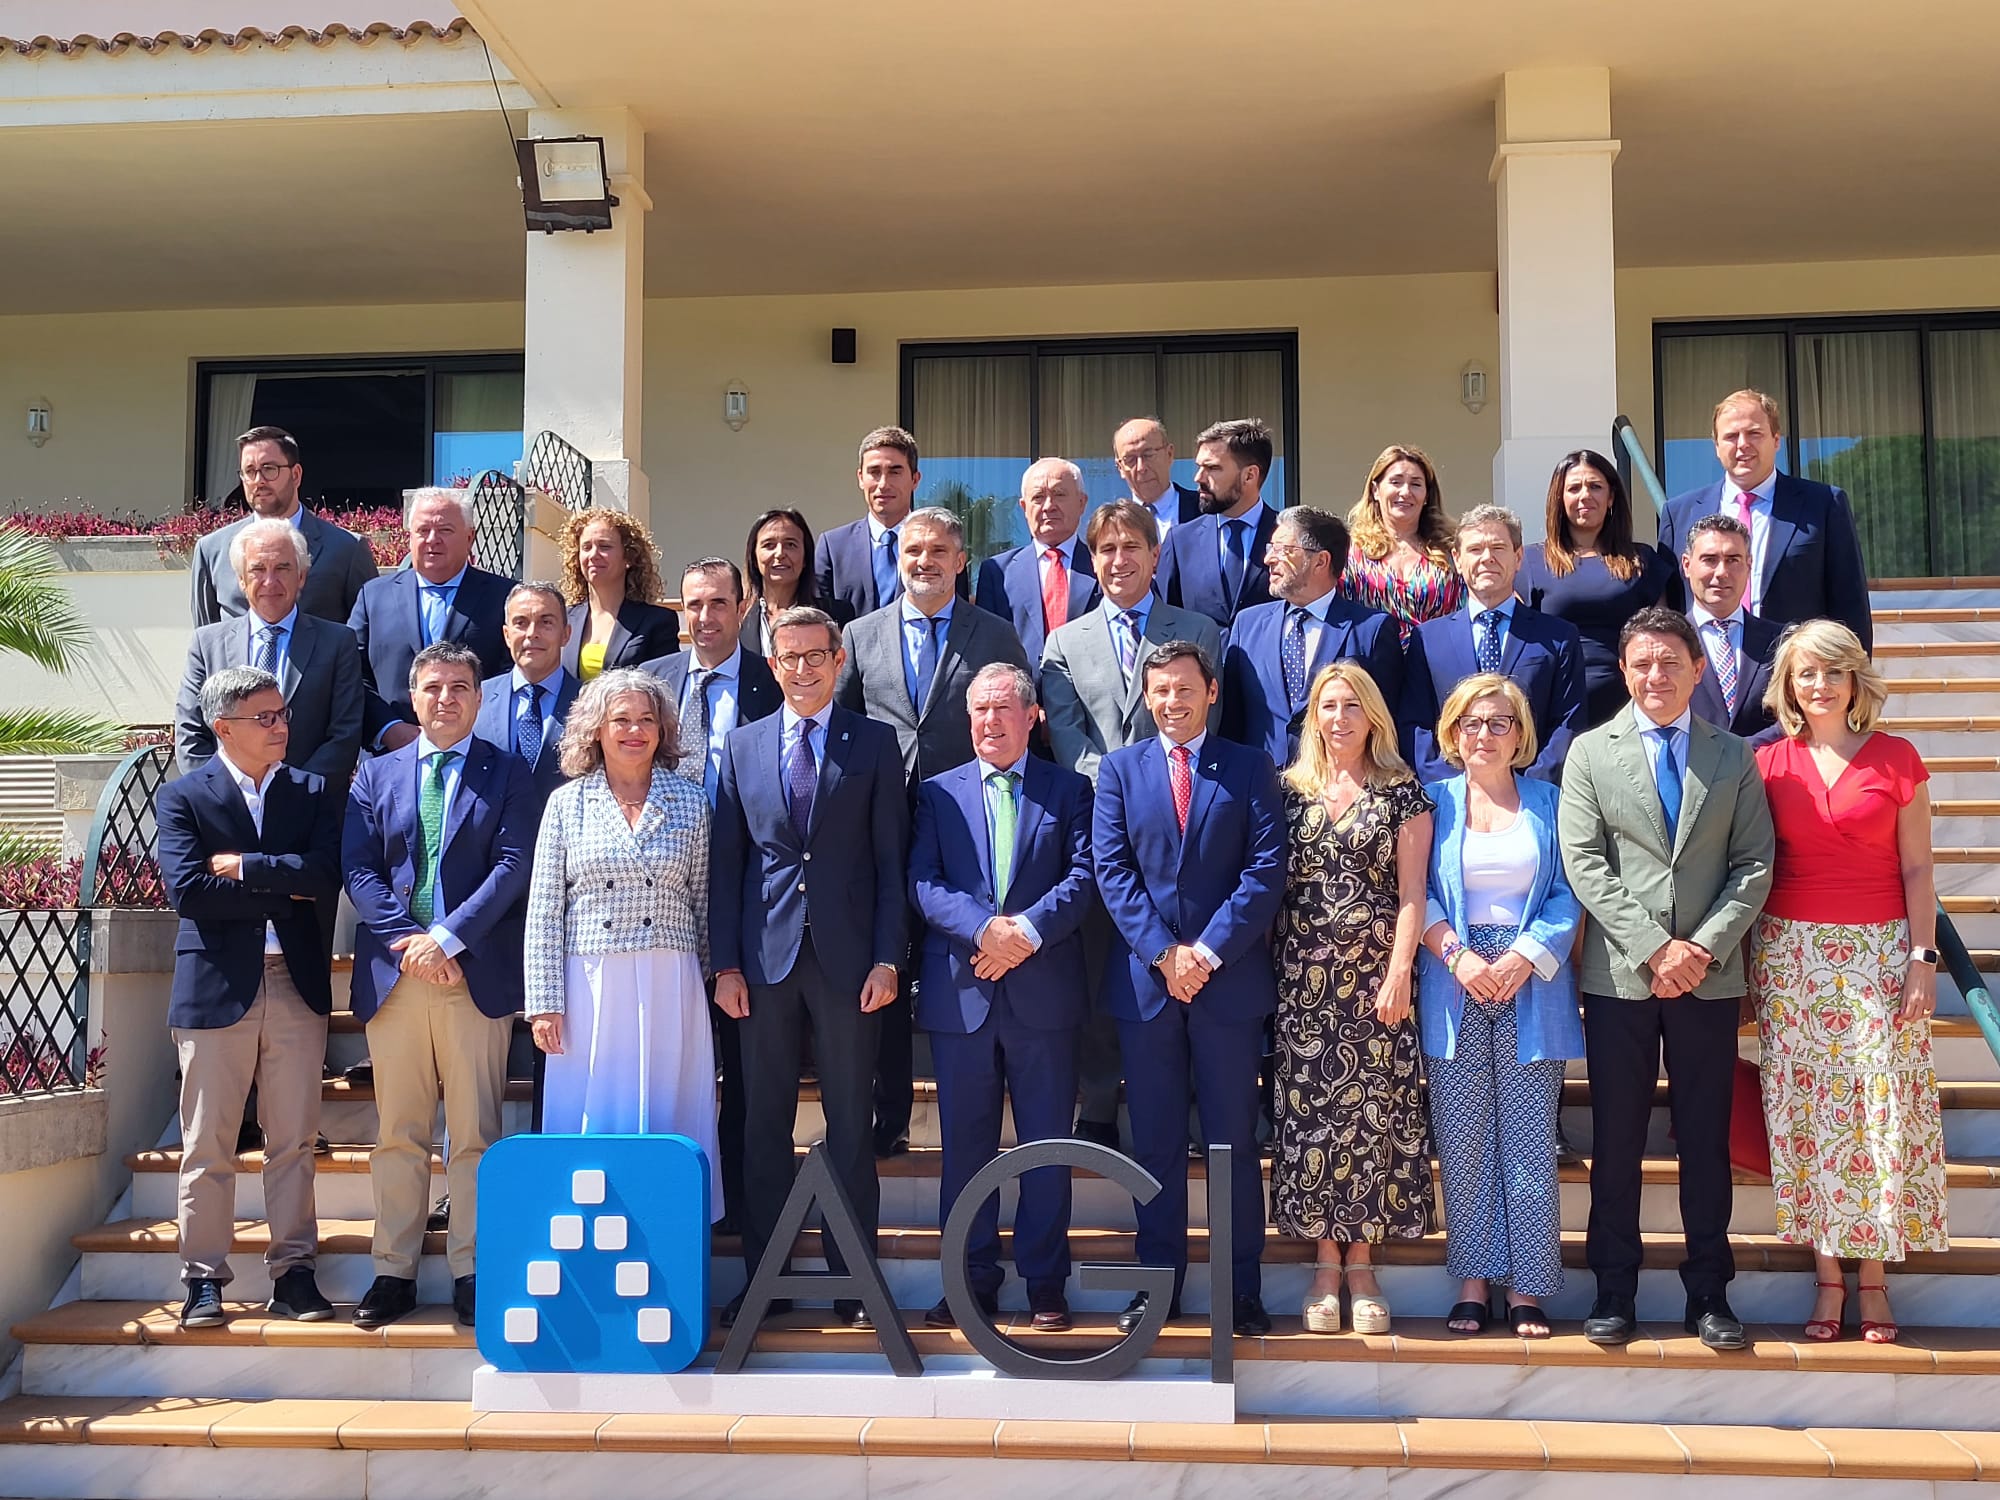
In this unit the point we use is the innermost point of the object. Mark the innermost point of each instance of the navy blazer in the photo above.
(844, 567)
(1753, 721)
(1542, 654)
(1190, 572)
(1812, 557)
(1255, 710)
(495, 725)
(1190, 504)
(219, 947)
(845, 877)
(1010, 586)
(388, 624)
(758, 695)
(1220, 885)
(644, 631)
(489, 838)
(951, 886)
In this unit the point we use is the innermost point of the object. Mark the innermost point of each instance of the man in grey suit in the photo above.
(1094, 695)
(268, 464)
(908, 665)
(315, 661)
(1667, 841)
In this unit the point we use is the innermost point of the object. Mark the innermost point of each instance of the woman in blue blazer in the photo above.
(1496, 1005)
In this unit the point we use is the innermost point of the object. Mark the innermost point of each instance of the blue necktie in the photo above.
(1668, 777)
(927, 663)
(528, 728)
(267, 648)
(888, 584)
(696, 733)
(1292, 654)
(437, 611)
(1488, 644)
(1236, 557)
(802, 781)
(1127, 635)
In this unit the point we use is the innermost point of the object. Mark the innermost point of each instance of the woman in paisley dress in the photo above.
(1843, 975)
(1399, 559)
(1351, 1163)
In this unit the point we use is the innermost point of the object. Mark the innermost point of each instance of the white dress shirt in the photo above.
(1760, 529)
(253, 799)
(1702, 619)
(1193, 746)
(254, 626)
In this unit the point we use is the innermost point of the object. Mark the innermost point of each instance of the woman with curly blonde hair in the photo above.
(1399, 553)
(611, 578)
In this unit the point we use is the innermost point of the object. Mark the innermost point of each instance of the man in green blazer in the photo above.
(1667, 841)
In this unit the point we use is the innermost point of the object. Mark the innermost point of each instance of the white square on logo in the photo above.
(566, 1232)
(521, 1325)
(608, 1232)
(586, 1185)
(633, 1278)
(544, 1278)
(656, 1325)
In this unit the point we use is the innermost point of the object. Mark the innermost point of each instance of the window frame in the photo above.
(1284, 344)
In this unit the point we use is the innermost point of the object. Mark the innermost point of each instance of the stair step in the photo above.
(1940, 614)
(1905, 650)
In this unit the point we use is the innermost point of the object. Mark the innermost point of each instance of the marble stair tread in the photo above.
(1898, 650)
(1898, 685)
(340, 1091)
(1954, 723)
(1938, 614)
(1931, 1456)
(1971, 1095)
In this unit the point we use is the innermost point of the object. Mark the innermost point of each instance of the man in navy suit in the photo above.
(1215, 564)
(855, 564)
(1277, 649)
(1145, 458)
(808, 922)
(1000, 873)
(1495, 632)
(1739, 646)
(1188, 842)
(1048, 582)
(439, 597)
(250, 855)
(438, 846)
(1805, 555)
(522, 712)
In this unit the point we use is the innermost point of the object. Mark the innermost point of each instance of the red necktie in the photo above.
(1183, 784)
(1055, 592)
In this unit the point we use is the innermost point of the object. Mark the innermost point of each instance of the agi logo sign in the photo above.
(593, 1254)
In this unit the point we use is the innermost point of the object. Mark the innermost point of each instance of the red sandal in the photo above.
(1826, 1330)
(1885, 1332)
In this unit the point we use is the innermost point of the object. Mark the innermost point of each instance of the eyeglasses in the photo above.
(1828, 677)
(270, 718)
(1497, 725)
(1139, 456)
(791, 661)
(266, 472)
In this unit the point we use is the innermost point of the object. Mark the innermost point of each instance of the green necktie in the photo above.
(1003, 835)
(430, 812)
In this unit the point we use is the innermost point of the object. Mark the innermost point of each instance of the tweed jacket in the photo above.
(602, 886)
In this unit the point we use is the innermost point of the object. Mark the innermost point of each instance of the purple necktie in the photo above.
(801, 780)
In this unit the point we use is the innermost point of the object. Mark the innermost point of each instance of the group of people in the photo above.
(1348, 835)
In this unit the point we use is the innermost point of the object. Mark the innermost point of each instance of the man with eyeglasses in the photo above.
(314, 661)
(340, 562)
(1145, 461)
(808, 923)
(249, 852)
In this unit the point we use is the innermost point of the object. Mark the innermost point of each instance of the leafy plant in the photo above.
(35, 1065)
(39, 620)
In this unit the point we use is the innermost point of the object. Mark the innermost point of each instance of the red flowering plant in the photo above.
(381, 526)
(35, 1065)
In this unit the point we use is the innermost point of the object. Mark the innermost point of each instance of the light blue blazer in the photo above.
(1546, 1019)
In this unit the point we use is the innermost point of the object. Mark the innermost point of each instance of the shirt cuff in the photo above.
(1434, 913)
(1207, 955)
(1537, 954)
(1028, 931)
(446, 939)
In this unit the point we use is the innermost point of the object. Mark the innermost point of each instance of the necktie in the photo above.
(927, 663)
(1127, 636)
(437, 611)
(1668, 778)
(1182, 781)
(695, 732)
(1752, 594)
(1488, 644)
(430, 814)
(1292, 654)
(528, 728)
(1055, 591)
(887, 584)
(1236, 556)
(802, 781)
(267, 648)
(1723, 655)
(1004, 814)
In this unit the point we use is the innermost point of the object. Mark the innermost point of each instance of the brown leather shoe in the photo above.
(1050, 1310)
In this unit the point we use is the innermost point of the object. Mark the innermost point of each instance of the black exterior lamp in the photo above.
(564, 184)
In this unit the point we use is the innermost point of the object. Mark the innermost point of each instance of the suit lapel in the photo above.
(223, 793)
(619, 635)
(1203, 770)
(1082, 580)
(1629, 749)
(298, 656)
(971, 798)
(471, 784)
(1514, 646)
(1778, 536)
(1704, 754)
(950, 651)
(1034, 812)
(832, 766)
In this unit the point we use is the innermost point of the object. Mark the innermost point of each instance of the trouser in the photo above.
(1099, 1066)
(280, 1042)
(427, 1035)
(730, 1114)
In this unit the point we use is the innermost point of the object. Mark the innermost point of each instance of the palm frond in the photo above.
(57, 731)
(38, 618)
(19, 847)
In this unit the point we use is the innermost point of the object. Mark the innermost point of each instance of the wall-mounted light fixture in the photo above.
(564, 184)
(736, 406)
(1472, 385)
(40, 421)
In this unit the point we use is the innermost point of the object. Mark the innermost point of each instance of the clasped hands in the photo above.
(1002, 947)
(425, 957)
(1185, 973)
(1494, 983)
(1678, 967)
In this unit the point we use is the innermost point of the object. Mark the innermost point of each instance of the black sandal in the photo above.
(1479, 1314)
(1520, 1315)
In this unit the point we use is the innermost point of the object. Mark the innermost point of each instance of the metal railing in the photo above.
(1971, 984)
(500, 514)
(559, 469)
(44, 1002)
(121, 864)
(1633, 464)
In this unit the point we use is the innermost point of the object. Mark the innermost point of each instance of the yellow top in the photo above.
(590, 661)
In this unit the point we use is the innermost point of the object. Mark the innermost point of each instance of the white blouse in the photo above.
(1499, 871)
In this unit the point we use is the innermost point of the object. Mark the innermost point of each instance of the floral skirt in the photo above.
(1850, 1097)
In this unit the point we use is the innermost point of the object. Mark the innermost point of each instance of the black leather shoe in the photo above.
(1049, 1309)
(1098, 1132)
(942, 1316)
(851, 1313)
(464, 1300)
(439, 1218)
(1718, 1327)
(203, 1308)
(1612, 1320)
(296, 1295)
(249, 1137)
(390, 1298)
(1135, 1312)
(1249, 1318)
(1566, 1154)
(887, 1146)
(733, 1309)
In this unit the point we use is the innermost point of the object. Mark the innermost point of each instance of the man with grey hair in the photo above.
(1495, 632)
(268, 461)
(1039, 587)
(909, 667)
(252, 986)
(439, 597)
(314, 661)
(1000, 873)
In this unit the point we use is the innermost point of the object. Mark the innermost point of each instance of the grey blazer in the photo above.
(341, 563)
(939, 736)
(1092, 709)
(1637, 893)
(321, 678)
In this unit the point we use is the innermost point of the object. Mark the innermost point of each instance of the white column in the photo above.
(585, 316)
(1558, 348)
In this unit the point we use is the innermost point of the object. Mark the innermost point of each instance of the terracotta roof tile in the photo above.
(233, 41)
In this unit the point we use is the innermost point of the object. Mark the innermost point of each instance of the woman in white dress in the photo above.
(617, 941)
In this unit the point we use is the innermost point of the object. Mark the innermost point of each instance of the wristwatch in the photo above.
(1924, 956)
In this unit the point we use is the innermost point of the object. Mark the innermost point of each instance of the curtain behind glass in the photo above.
(1084, 399)
(231, 395)
(1203, 389)
(477, 423)
(1965, 429)
(1695, 373)
(972, 428)
(1860, 427)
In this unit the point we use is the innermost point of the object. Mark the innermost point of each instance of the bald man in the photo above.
(1049, 582)
(1145, 457)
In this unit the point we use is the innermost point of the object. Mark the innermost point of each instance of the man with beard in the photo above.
(1215, 563)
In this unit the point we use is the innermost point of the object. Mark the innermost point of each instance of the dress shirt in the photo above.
(440, 930)
(1223, 551)
(1315, 625)
(1701, 619)
(253, 798)
(1651, 741)
(1760, 529)
(988, 797)
(1167, 745)
(1142, 612)
(723, 690)
(788, 741)
(1166, 510)
(915, 626)
(1067, 549)
(255, 626)
(551, 687)
(1474, 609)
(425, 593)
